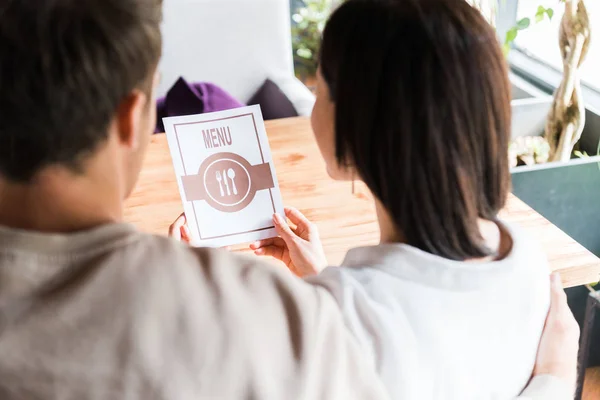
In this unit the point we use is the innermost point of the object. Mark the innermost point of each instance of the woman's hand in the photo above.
(299, 248)
(557, 354)
(179, 230)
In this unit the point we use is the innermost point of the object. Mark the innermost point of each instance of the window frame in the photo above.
(533, 69)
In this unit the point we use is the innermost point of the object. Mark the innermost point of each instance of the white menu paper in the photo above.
(225, 174)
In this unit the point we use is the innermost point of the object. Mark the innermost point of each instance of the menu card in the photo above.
(225, 174)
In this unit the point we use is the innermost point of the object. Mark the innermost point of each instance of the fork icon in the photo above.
(220, 180)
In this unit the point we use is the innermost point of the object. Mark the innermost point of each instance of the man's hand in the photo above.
(179, 230)
(557, 354)
(299, 248)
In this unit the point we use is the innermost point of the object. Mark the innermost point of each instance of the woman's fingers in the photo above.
(267, 242)
(274, 247)
(560, 313)
(185, 234)
(297, 217)
(261, 243)
(559, 344)
(283, 229)
(176, 227)
(558, 292)
(304, 227)
(174, 233)
(276, 252)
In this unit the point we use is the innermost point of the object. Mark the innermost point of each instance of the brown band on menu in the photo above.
(193, 186)
(227, 182)
(260, 175)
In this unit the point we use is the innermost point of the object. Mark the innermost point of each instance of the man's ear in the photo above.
(129, 118)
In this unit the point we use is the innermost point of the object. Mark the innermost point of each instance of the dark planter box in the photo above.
(568, 195)
(578, 299)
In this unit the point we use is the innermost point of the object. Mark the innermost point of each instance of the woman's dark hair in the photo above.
(423, 113)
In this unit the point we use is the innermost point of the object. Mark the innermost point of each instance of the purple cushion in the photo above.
(273, 102)
(188, 99)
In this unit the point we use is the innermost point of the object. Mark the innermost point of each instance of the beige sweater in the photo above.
(115, 314)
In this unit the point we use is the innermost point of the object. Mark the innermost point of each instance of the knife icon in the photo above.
(225, 179)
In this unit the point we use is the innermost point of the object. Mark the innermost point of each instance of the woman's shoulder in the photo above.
(403, 267)
(525, 248)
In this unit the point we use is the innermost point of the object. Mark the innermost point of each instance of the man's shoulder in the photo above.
(165, 253)
(160, 262)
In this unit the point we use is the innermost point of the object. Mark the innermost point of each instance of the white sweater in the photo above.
(440, 329)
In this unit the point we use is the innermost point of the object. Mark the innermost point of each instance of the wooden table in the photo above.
(345, 220)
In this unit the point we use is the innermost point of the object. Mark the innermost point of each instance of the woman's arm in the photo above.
(547, 387)
(555, 372)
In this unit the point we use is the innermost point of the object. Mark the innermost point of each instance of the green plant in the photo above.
(581, 154)
(310, 18)
(525, 23)
(306, 34)
(489, 9)
(528, 150)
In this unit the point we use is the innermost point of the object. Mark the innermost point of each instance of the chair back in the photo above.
(236, 44)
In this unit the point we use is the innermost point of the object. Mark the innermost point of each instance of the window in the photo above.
(540, 40)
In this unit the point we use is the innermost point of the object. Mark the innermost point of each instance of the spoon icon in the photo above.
(231, 175)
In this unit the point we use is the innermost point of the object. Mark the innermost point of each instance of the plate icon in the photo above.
(227, 182)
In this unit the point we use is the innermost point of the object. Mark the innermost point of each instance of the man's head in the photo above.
(76, 78)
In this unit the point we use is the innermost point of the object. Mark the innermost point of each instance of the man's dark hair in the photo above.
(65, 66)
(423, 113)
